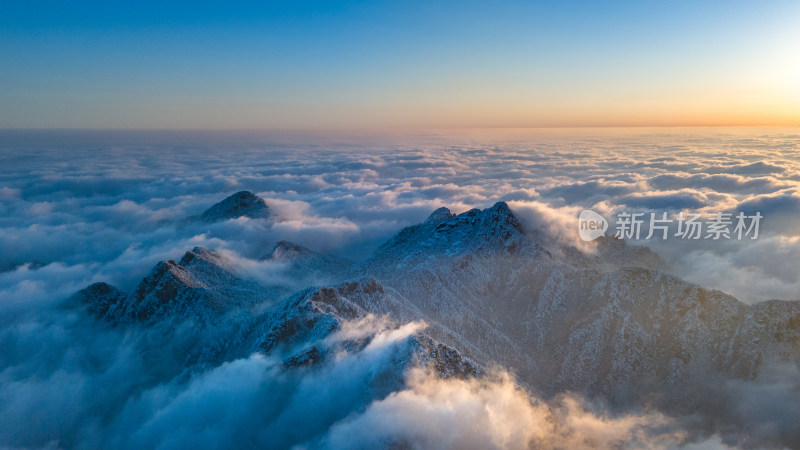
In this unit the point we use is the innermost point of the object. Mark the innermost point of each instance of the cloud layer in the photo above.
(80, 209)
(87, 201)
(101, 392)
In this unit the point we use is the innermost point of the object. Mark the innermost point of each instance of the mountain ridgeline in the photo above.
(491, 294)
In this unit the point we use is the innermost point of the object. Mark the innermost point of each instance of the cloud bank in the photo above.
(81, 209)
(87, 201)
(103, 392)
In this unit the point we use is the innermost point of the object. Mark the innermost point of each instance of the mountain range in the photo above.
(610, 323)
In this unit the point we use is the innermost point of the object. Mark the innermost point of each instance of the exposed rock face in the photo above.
(240, 204)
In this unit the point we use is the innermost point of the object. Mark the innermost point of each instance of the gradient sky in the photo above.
(353, 65)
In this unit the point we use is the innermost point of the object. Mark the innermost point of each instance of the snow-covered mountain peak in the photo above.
(439, 215)
(490, 229)
(287, 250)
(490, 222)
(305, 266)
(199, 254)
(99, 298)
(501, 214)
(203, 284)
(240, 204)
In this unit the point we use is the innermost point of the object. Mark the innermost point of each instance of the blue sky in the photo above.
(300, 65)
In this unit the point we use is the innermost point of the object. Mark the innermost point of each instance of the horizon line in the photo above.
(384, 129)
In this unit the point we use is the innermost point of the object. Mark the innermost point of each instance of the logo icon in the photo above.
(591, 225)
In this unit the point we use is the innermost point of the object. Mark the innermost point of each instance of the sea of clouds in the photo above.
(82, 207)
(78, 208)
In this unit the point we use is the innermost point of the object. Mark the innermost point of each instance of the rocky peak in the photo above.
(501, 214)
(286, 250)
(491, 221)
(468, 229)
(166, 281)
(199, 254)
(439, 215)
(100, 298)
(203, 283)
(240, 204)
(307, 267)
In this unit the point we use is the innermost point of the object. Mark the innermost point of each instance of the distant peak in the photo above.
(288, 245)
(289, 250)
(439, 215)
(100, 297)
(240, 204)
(99, 289)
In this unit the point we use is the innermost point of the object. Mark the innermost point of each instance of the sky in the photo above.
(373, 65)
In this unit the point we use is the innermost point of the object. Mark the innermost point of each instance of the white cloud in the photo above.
(495, 413)
(70, 218)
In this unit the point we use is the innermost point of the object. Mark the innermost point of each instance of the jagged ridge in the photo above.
(492, 294)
